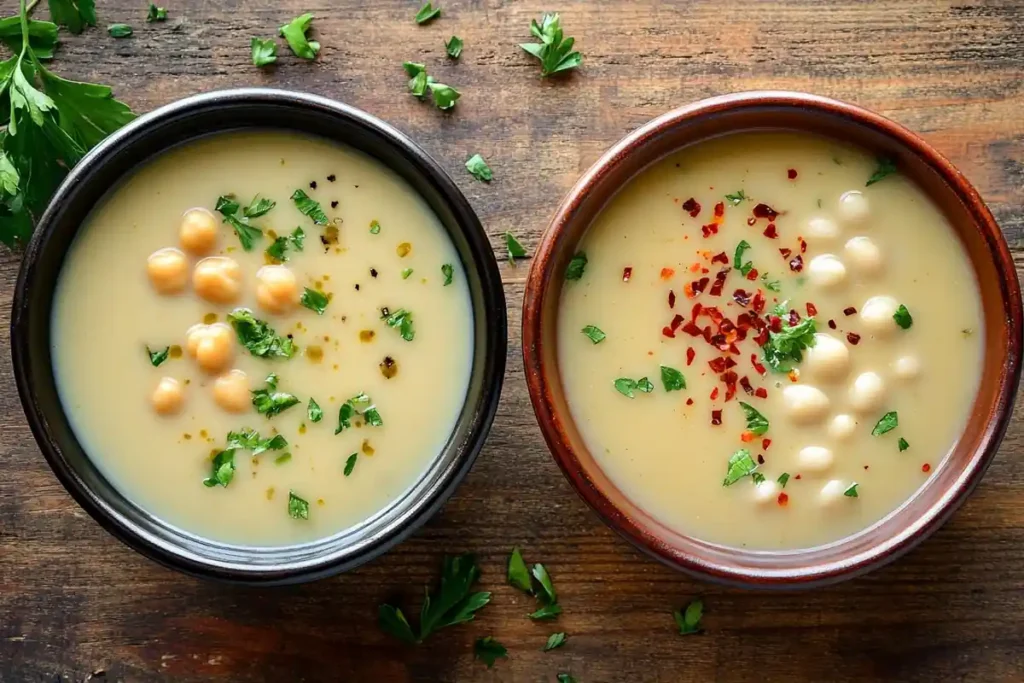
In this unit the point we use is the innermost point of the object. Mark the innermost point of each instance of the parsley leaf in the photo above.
(577, 265)
(740, 465)
(374, 227)
(479, 168)
(903, 318)
(156, 14)
(783, 479)
(258, 337)
(309, 207)
(294, 33)
(785, 349)
(886, 167)
(264, 51)
(314, 300)
(851, 490)
(278, 251)
(488, 650)
(270, 402)
(736, 197)
(158, 357)
(773, 285)
(453, 47)
(361, 404)
(567, 678)
(445, 96)
(350, 463)
(298, 508)
(73, 14)
(226, 204)
(406, 272)
(903, 444)
(544, 579)
(547, 612)
(452, 603)
(738, 258)
(594, 333)
(258, 207)
(427, 13)
(758, 478)
(688, 620)
(672, 379)
(222, 469)
(518, 574)
(555, 54)
(418, 78)
(448, 271)
(887, 423)
(282, 459)
(313, 411)
(247, 234)
(120, 30)
(626, 386)
(514, 248)
(400, 320)
(555, 640)
(757, 423)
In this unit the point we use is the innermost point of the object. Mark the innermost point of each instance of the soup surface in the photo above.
(160, 350)
(788, 395)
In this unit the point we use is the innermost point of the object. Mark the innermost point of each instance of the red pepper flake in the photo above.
(717, 366)
(677, 320)
(760, 459)
(745, 383)
(765, 443)
(812, 310)
(716, 416)
(691, 329)
(667, 273)
(696, 311)
(761, 392)
(794, 318)
(668, 332)
(689, 401)
(719, 210)
(692, 207)
(759, 301)
(775, 324)
(771, 232)
(831, 324)
(627, 273)
(797, 477)
(720, 257)
(793, 375)
(803, 245)
(866, 466)
(784, 498)
(714, 395)
(853, 338)
(741, 297)
(719, 284)
(926, 467)
(765, 211)
(694, 267)
(849, 310)
(671, 299)
(690, 354)
(796, 264)
(698, 285)
(786, 253)
(791, 173)
(709, 229)
(730, 384)
(747, 437)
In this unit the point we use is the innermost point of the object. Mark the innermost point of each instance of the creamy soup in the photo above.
(274, 394)
(765, 348)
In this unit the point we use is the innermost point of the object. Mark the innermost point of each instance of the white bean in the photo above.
(867, 393)
(907, 367)
(822, 228)
(828, 359)
(853, 207)
(831, 492)
(766, 492)
(815, 458)
(826, 271)
(805, 404)
(863, 255)
(877, 315)
(842, 427)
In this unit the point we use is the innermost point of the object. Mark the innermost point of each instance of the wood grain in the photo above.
(76, 605)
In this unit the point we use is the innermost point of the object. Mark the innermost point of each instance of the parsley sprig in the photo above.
(534, 581)
(554, 53)
(786, 348)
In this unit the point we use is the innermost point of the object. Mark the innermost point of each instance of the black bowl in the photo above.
(118, 156)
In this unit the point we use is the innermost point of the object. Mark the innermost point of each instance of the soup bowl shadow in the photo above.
(114, 159)
(960, 470)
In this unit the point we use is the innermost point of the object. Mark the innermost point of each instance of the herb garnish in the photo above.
(258, 207)
(418, 78)
(738, 258)
(374, 227)
(247, 234)
(452, 603)
(774, 285)
(688, 620)
(277, 252)
(448, 271)
(546, 612)
(445, 96)
(887, 423)
(554, 53)
(903, 318)
(626, 386)
(282, 459)
(757, 423)
(264, 51)
(73, 14)
(156, 13)
(758, 478)
(577, 265)
(488, 650)
(350, 463)
(479, 168)
(886, 167)
(785, 349)
(298, 508)
(222, 469)
(427, 13)
(406, 272)
(526, 580)
(314, 300)
(313, 411)
(120, 30)
(518, 574)
(736, 197)
(740, 465)
(158, 357)
(851, 490)
(294, 33)
(514, 248)
(360, 404)
(258, 337)
(903, 444)
(400, 320)
(269, 401)
(555, 640)
(453, 46)
(672, 379)
(309, 207)
(783, 479)
(566, 678)
(594, 333)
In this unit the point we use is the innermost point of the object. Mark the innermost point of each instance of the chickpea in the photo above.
(231, 392)
(198, 232)
(168, 397)
(218, 279)
(168, 270)
(277, 290)
(211, 345)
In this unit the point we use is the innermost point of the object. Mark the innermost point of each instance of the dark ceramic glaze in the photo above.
(952, 481)
(102, 169)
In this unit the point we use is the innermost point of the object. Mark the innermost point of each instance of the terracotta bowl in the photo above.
(954, 479)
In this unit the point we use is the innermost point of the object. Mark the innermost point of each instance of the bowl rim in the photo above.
(127, 528)
(552, 423)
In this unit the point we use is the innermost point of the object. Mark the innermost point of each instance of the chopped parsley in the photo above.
(445, 96)
(448, 271)
(626, 386)
(488, 650)
(156, 14)
(535, 581)
(314, 300)
(269, 401)
(740, 465)
(594, 333)
(547, 587)
(418, 78)
(258, 337)
(554, 52)
(222, 469)
(400, 320)
(738, 258)
(479, 168)
(785, 349)
(453, 46)
(298, 508)
(264, 51)
(360, 404)
(903, 444)
(688, 620)
(277, 252)
(427, 13)
(555, 640)
(887, 423)
(120, 30)
(350, 463)
(736, 198)
(158, 357)
(453, 602)
(282, 459)
(903, 318)
(757, 423)
(309, 207)
(258, 207)
(578, 264)
(758, 478)
(773, 285)
(514, 248)
(672, 379)
(851, 490)
(885, 168)
(247, 234)
(518, 574)
(406, 272)
(783, 479)
(566, 678)
(294, 33)
(314, 412)
(546, 612)
(374, 227)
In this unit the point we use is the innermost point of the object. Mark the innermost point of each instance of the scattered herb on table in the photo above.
(258, 337)
(547, 612)
(156, 14)
(758, 478)
(75, 15)
(885, 168)
(448, 271)
(269, 401)
(518, 574)
(488, 650)
(672, 379)
(298, 508)
(453, 46)
(626, 386)
(453, 602)
(427, 13)
(903, 444)
(294, 33)
(785, 349)
(688, 620)
(740, 465)
(350, 463)
(314, 300)
(903, 318)
(594, 333)
(736, 198)
(264, 51)
(757, 424)
(158, 357)
(886, 423)
(566, 678)
(445, 96)
(577, 266)
(400, 320)
(418, 78)
(120, 30)
(555, 640)
(540, 574)
(514, 248)
(554, 53)
(479, 168)
(851, 490)
(313, 411)
(309, 207)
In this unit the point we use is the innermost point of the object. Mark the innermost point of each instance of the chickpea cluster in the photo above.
(217, 279)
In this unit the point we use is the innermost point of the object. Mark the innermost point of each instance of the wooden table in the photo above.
(77, 605)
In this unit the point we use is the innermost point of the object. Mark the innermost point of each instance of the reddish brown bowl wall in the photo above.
(953, 480)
